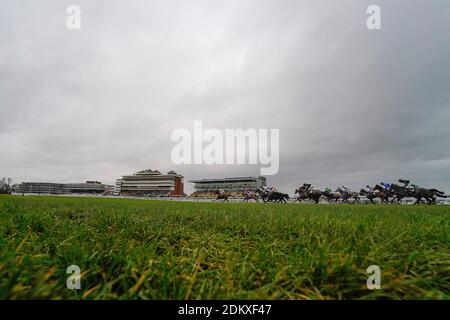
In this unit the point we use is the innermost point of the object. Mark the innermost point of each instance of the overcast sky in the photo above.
(353, 106)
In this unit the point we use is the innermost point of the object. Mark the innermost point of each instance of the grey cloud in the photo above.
(353, 106)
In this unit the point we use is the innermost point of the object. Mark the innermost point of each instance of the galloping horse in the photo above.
(331, 195)
(428, 194)
(307, 192)
(250, 196)
(273, 196)
(400, 192)
(371, 194)
(348, 195)
(278, 197)
(383, 194)
(222, 196)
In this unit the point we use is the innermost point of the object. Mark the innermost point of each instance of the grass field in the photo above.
(131, 249)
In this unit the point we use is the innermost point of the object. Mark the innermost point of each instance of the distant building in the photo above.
(150, 183)
(42, 188)
(15, 188)
(90, 187)
(233, 185)
(118, 187)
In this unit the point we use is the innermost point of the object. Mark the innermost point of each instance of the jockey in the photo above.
(369, 188)
(221, 191)
(327, 190)
(386, 186)
(404, 182)
(271, 189)
(346, 189)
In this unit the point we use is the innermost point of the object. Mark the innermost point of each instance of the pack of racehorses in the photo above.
(259, 194)
(385, 193)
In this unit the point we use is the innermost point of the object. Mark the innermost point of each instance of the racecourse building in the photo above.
(90, 187)
(150, 183)
(235, 186)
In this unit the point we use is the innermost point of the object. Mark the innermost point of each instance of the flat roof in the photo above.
(153, 173)
(224, 179)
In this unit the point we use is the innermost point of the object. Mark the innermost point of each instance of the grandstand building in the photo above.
(90, 187)
(235, 186)
(118, 187)
(150, 183)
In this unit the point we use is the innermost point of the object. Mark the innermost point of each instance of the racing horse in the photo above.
(306, 192)
(428, 194)
(250, 196)
(273, 196)
(222, 196)
(369, 194)
(346, 195)
(331, 195)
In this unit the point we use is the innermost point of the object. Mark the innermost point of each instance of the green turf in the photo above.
(132, 249)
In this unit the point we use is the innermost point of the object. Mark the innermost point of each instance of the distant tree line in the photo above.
(5, 185)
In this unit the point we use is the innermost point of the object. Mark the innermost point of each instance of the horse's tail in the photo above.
(437, 191)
